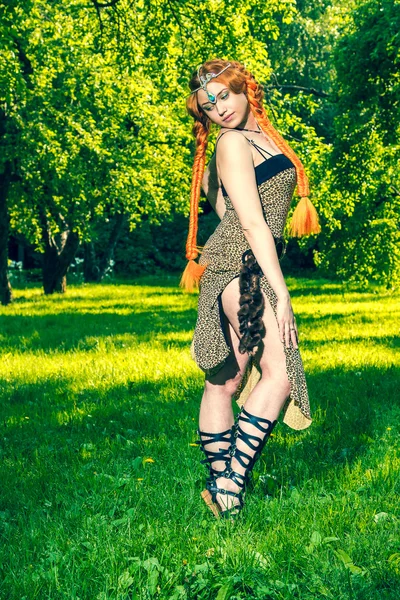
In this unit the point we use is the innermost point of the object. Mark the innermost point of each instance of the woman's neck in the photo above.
(249, 122)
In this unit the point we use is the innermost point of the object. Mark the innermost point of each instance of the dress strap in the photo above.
(259, 149)
(252, 142)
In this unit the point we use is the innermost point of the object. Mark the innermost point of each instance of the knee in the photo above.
(279, 376)
(224, 387)
(231, 385)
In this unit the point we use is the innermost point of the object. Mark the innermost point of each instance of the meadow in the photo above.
(101, 478)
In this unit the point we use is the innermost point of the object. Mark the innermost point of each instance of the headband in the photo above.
(204, 79)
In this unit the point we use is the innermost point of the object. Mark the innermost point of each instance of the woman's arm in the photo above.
(236, 169)
(235, 163)
(212, 189)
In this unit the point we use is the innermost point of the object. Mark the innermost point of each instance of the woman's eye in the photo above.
(223, 97)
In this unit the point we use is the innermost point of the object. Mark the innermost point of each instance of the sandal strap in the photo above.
(233, 510)
(214, 489)
(236, 477)
(254, 442)
(214, 437)
(222, 454)
(256, 421)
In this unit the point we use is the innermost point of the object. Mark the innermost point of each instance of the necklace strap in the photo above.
(244, 129)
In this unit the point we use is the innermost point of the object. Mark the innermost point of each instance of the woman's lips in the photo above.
(229, 118)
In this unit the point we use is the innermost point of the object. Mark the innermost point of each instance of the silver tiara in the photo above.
(204, 79)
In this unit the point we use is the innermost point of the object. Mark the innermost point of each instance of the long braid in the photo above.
(305, 218)
(193, 271)
(201, 134)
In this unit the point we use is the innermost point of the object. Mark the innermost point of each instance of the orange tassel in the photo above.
(191, 276)
(305, 219)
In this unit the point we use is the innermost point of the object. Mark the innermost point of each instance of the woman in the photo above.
(246, 337)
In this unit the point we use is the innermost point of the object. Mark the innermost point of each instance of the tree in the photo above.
(80, 150)
(93, 123)
(363, 243)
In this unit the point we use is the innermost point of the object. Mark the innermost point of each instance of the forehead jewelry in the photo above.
(204, 79)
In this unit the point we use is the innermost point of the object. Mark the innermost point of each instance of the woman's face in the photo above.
(230, 110)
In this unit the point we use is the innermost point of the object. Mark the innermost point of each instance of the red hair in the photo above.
(304, 219)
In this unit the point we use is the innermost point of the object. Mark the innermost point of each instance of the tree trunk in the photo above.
(57, 259)
(5, 287)
(91, 271)
(95, 268)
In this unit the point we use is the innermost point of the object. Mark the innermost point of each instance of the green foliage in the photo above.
(81, 134)
(370, 81)
(346, 56)
(363, 243)
(93, 123)
(93, 120)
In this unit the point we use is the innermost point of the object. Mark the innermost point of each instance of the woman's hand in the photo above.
(287, 322)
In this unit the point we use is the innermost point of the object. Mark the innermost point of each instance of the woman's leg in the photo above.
(216, 413)
(269, 395)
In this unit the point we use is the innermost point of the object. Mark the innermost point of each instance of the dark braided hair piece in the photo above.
(251, 302)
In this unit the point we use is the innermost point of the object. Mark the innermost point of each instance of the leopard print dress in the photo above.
(222, 253)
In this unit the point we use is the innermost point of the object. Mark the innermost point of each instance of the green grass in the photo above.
(100, 485)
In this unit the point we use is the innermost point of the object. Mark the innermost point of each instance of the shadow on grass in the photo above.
(53, 326)
(79, 330)
(82, 331)
(159, 419)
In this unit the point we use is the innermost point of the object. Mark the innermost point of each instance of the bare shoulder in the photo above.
(230, 136)
(232, 139)
(233, 147)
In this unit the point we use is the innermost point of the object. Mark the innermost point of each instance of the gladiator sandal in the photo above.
(247, 461)
(222, 454)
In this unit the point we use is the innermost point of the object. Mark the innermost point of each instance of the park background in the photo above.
(99, 396)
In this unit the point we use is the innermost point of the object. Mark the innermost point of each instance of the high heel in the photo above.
(246, 461)
(213, 506)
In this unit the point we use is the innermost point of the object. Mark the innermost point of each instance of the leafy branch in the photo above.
(298, 88)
